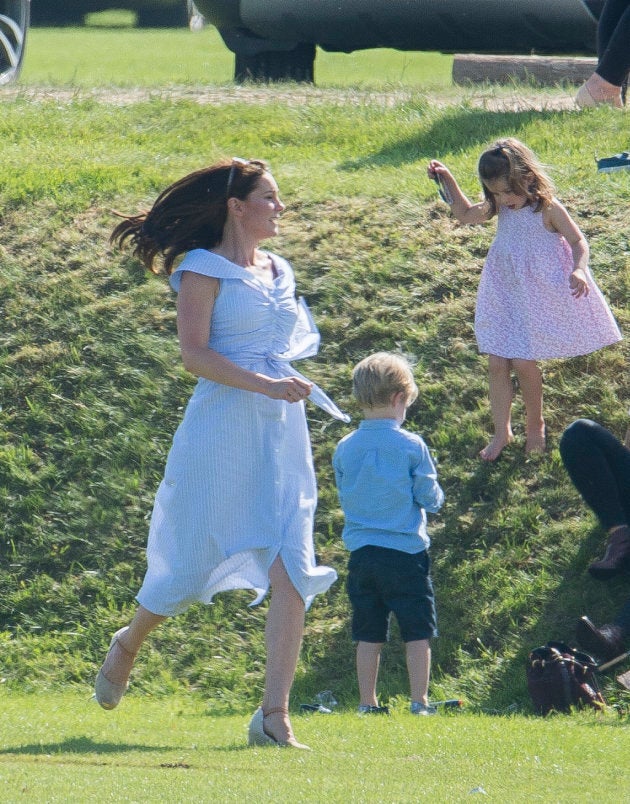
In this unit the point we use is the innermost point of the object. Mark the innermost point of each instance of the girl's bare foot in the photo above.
(492, 451)
(536, 442)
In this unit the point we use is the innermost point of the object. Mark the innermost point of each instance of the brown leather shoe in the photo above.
(605, 643)
(616, 558)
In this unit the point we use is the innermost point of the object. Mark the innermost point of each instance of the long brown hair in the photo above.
(512, 161)
(190, 213)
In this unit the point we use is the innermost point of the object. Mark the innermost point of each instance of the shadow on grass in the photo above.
(82, 745)
(455, 131)
(574, 595)
(485, 530)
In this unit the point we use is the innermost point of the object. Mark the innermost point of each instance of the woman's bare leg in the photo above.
(500, 392)
(283, 636)
(120, 658)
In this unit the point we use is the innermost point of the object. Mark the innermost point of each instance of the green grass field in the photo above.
(130, 57)
(91, 391)
(64, 748)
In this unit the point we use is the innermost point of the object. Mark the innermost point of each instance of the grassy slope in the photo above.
(92, 389)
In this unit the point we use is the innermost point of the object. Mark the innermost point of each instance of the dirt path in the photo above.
(495, 99)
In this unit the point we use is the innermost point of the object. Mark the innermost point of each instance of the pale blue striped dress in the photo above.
(239, 484)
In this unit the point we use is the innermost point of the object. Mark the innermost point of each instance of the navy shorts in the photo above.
(383, 581)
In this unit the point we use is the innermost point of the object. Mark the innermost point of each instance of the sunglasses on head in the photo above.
(236, 160)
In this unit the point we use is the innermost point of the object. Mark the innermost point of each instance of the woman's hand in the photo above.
(289, 389)
(578, 283)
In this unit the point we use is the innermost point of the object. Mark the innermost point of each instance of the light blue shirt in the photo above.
(386, 481)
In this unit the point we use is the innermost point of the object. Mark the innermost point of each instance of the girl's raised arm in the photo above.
(461, 206)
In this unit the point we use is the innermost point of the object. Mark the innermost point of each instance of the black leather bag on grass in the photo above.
(560, 677)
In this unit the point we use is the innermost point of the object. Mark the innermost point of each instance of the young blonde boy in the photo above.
(386, 481)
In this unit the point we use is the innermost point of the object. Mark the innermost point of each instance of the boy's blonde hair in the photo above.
(381, 375)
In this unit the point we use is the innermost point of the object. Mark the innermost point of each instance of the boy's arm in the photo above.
(427, 492)
(336, 464)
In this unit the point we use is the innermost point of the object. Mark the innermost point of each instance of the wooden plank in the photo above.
(470, 68)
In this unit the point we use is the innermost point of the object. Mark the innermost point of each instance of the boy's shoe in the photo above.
(418, 708)
(611, 163)
(364, 709)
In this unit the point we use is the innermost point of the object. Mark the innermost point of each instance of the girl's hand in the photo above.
(578, 283)
(438, 172)
(434, 168)
(461, 207)
(289, 389)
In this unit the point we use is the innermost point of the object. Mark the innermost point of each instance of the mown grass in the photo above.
(85, 57)
(92, 387)
(176, 750)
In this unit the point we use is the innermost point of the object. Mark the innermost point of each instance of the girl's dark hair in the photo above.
(510, 160)
(189, 214)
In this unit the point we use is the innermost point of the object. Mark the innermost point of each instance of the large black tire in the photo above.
(277, 65)
(14, 22)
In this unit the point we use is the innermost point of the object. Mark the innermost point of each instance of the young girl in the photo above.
(537, 299)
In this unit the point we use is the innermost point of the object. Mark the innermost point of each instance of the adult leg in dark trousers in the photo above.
(609, 81)
(599, 466)
(613, 42)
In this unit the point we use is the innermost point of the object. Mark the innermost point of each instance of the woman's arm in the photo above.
(195, 303)
(461, 207)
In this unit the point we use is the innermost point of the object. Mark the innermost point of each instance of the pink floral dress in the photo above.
(524, 305)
